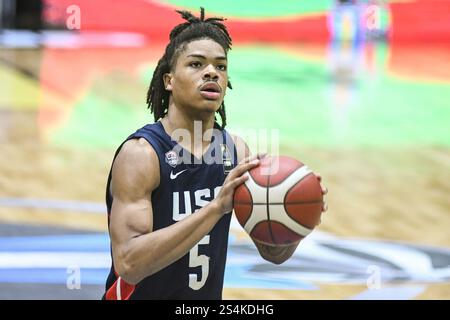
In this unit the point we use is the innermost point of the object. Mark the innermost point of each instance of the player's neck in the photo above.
(197, 141)
(177, 119)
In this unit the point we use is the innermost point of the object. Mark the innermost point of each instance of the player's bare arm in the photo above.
(139, 251)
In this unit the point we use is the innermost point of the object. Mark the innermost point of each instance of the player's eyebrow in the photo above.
(203, 57)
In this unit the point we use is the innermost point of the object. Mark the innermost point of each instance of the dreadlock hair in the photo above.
(194, 29)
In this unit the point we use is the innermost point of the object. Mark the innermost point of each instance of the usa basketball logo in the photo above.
(172, 158)
(226, 159)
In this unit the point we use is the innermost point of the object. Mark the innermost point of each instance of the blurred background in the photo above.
(359, 91)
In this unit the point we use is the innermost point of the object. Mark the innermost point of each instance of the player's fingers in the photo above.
(238, 181)
(253, 157)
(233, 184)
(325, 207)
(243, 167)
(324, 190)
(248, 159)
(261, 155)
(319, 177)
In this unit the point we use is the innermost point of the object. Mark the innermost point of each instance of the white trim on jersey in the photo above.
(118, 289)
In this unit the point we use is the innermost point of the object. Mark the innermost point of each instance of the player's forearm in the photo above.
(145, 255)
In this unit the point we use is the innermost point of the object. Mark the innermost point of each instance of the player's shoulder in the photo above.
(137, 162)
(138, 149)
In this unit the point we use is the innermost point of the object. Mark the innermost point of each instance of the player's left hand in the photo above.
(324, 192)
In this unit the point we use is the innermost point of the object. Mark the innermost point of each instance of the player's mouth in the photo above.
(210, 91)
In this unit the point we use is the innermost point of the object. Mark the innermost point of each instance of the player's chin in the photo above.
(210, 105)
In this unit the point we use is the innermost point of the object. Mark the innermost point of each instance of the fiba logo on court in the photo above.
(73, 21)
(374, 280)
(73, 281)
(372, 17)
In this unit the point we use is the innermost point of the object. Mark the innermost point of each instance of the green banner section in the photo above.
(307, 104)
(310, 102)
(255, 8)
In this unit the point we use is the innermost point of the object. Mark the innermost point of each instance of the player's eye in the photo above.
(195, 64)
(222, 67)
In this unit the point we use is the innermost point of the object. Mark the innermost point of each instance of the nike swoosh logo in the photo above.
(173, 176)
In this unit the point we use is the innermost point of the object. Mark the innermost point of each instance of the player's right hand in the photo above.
(235, 178)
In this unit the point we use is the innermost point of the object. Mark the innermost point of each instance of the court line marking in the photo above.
(390, 293)
(49, 204)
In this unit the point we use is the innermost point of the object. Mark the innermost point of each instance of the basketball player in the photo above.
(169, 219)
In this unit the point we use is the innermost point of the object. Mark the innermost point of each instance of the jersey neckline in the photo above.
(196, 160)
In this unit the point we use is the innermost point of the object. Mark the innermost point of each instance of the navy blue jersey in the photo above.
(186, 185)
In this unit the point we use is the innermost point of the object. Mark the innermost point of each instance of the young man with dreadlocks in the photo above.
(169, 219)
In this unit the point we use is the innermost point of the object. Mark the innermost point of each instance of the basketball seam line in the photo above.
(287, 192)
(278, 203)
(251, 199)
(261, 185)
(287, 227)
(267, 205)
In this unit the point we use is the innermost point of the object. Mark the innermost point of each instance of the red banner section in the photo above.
(421, 20)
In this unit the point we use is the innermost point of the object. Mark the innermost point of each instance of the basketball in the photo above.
(281, 202)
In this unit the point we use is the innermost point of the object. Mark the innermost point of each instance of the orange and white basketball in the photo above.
(281, 202)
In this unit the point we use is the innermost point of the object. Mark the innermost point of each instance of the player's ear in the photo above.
(167, 78)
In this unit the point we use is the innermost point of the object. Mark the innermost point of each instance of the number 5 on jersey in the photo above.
(196, 260)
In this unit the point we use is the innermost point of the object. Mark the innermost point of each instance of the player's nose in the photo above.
(210, 73)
